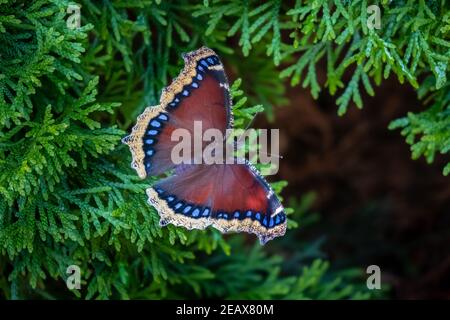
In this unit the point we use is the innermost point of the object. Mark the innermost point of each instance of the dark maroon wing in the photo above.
(230, 197)
(199, 93)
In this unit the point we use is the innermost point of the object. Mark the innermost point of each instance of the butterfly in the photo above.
(229, 197)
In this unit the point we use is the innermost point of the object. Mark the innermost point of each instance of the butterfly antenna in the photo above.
(247, 126)
(252, 120)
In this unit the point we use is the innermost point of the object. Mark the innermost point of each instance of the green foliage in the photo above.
(68, 195)
(428, 132)
(250, 274)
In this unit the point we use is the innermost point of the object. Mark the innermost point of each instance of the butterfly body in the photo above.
(231, 197)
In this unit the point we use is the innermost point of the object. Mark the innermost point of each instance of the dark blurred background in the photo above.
(377, 205)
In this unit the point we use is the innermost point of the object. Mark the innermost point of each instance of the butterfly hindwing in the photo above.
(230, 197)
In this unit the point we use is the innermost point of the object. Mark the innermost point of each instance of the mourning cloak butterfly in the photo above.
(229, 197)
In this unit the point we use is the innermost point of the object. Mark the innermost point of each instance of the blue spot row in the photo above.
(202, 67)
(153, 129)
(194, 211)
(183, 207)
(268, 222)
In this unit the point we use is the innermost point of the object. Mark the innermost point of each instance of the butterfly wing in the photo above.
(199, 93)
(231, 198)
